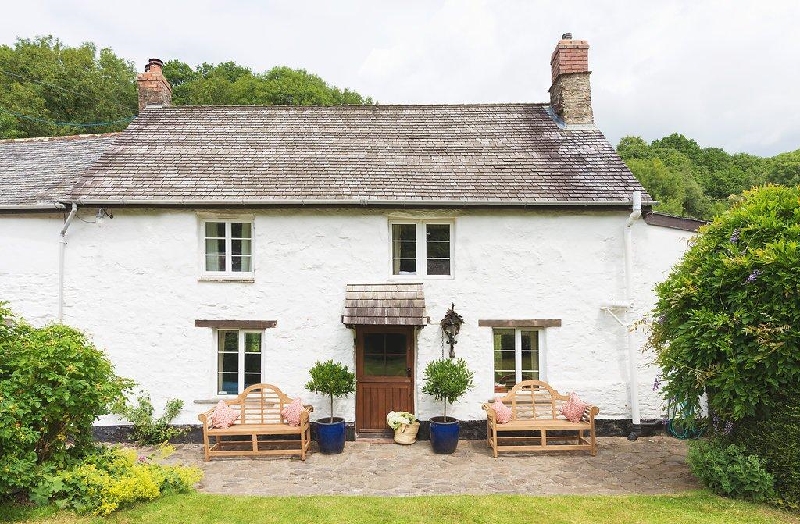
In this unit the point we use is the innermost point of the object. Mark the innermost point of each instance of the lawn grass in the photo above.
(692, 507)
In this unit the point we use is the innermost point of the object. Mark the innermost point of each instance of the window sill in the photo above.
(421, 277)
(215, 400)
(246, 278)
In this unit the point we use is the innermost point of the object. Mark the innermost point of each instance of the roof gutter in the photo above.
(363, 202)
(26, 207)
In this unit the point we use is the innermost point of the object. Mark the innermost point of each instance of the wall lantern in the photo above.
(102, 214)
(451, 325)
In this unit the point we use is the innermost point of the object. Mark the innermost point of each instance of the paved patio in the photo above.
(649, 466)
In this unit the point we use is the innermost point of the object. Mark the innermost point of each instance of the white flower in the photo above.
(395, 419)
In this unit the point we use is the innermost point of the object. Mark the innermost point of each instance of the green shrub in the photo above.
(148, 430)
(728, 470)
(775, 438)
(447, 379)
(53, 385)
(332, 379)
(112, 478)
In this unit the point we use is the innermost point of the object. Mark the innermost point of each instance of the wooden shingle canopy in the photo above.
(394, 304)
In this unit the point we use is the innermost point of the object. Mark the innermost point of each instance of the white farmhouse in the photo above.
(209, 248)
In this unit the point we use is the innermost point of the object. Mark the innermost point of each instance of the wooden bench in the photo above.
(260, 407)
(535, 407)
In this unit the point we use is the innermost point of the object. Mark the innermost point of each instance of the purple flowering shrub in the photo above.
(728, 313)
(729, 320)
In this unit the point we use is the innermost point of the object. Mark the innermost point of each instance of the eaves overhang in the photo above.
(49, 206)
(244, 202)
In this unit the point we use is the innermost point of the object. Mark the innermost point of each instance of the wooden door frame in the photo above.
(411, 341)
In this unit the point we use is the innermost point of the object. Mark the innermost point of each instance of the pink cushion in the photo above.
(291, 412)
(502, 411)
(223, 415)
(573, 408)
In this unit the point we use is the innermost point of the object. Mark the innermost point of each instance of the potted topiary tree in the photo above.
(335, 380)
(446, 379)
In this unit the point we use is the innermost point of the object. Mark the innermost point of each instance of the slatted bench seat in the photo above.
(536, 407)
(260, 418)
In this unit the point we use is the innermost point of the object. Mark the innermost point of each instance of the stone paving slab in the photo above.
(655, 465)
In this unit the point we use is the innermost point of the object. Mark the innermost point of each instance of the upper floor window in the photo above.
(422, 248)
(228, 247)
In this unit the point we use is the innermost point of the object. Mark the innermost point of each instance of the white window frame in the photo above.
(422, 248)
(241, 354)
(228, 274)
(540, 344)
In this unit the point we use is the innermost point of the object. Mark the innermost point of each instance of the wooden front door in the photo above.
(384, 373)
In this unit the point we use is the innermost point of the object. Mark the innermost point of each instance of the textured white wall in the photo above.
(133, 285)
(29, 264)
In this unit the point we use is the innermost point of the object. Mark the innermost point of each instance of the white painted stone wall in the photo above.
(29, 247)
(134, 286)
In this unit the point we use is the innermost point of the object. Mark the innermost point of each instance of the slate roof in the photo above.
(384, 304)
(674, 222)
(508, 154)
(40, 172)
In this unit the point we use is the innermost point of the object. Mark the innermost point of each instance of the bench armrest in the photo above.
(491, 415)
(205, 418)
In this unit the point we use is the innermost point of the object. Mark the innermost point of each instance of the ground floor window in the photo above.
(239, 362)
(516, 357)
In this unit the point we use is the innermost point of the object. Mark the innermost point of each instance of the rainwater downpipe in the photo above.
(62, 246)
(633, 363)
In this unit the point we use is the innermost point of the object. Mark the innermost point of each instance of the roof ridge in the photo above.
(352, 106)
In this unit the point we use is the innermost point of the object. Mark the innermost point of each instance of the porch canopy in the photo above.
(390, 304)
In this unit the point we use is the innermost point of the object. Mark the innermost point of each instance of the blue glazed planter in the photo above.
(444, 434)
(330, 435)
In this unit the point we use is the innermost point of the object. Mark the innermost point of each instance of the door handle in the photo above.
(408, 372)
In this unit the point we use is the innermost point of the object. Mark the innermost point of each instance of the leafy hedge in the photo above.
(775, 438)
(53, 385)
(730, 471)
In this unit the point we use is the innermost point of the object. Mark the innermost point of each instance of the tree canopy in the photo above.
(689, 180)
(230, 84)
(44, 84)
(50, 89)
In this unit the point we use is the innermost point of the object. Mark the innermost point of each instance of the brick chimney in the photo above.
(571, 94)
(153, 86)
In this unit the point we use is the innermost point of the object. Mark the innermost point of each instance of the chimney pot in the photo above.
(566, 36)
(153, 62)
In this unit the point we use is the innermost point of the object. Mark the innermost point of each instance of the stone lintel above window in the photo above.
(236, 324)
(521, 323)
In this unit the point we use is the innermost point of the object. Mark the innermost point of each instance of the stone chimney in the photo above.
(571, 94)
(153, 86)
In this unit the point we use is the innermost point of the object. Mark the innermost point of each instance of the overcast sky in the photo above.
(726, 73)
